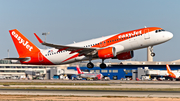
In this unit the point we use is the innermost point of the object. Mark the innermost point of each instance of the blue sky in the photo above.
(78, 20)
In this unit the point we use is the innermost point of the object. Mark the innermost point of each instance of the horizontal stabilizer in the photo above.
(24, 59)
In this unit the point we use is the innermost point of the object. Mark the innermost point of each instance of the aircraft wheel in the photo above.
(95, 79)
(90, 65)
(102, 65)
(152, 54)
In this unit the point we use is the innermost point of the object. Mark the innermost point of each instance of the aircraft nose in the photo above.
(170, 35)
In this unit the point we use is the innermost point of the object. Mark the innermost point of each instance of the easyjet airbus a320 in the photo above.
(118, 46)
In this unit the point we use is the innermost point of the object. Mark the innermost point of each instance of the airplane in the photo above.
(118, 46)
(95, 76)
(173, 74)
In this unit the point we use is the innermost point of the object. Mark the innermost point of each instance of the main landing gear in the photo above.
(91, 65)
(102, 65)
(151, 50)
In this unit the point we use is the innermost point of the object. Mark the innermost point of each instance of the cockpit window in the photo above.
(159, 30)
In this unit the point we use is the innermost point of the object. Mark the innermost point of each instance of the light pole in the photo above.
(45, 36)
(8, 52)
(8, 55)
(45, 48)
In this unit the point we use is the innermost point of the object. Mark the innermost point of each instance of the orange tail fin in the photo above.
(79, 70)
(23, 46)
(171, 74)
(168, 69)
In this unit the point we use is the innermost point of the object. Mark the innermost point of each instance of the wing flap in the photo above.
(80, 50)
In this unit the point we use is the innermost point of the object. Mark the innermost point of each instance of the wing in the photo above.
(73, 49)
(81, 50)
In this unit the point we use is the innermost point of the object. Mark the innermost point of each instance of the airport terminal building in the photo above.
(115, 71)
(134, 69)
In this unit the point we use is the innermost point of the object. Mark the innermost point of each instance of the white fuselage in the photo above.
(149, 39)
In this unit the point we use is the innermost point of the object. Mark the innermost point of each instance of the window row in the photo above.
(104, 71)
(104, 42)
(55, 53)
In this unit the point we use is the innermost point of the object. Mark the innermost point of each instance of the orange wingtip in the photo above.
(40, 41)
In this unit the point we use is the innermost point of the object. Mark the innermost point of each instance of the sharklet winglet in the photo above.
(40, 41)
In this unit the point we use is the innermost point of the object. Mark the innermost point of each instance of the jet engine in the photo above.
(125, 55)
(106, 53)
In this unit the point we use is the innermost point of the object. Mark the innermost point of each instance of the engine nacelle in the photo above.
(106, 53)
(125, 55)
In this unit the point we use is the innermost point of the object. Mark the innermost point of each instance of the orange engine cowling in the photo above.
(106, 53)
(125, 55)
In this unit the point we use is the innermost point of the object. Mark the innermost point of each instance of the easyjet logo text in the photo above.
(131, 34)
(22, 41)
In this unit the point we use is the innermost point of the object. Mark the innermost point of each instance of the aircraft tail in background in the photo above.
(171, 74)
(79, 70)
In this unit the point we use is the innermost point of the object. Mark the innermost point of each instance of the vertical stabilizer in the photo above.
(168, 69)
(171, 74)
(23, 45)
(79, 70)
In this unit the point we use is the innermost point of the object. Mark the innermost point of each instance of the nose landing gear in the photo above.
(151, 50)
(152, 54)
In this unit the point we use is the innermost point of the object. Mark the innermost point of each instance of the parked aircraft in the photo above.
(172, 74)
(118, 46)
(96, 76)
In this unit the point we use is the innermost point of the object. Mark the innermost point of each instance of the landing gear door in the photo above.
(146, 34)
